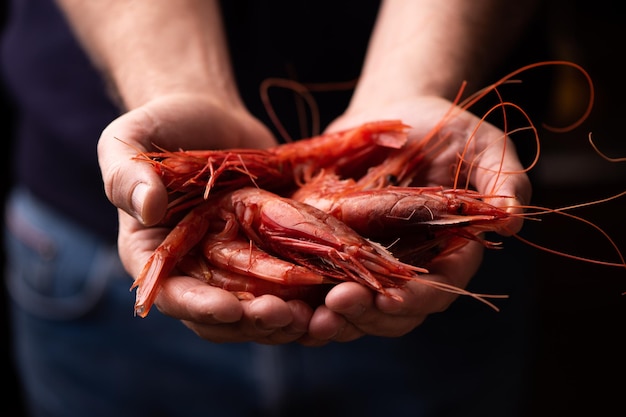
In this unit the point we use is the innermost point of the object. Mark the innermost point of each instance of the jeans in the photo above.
(80, 351)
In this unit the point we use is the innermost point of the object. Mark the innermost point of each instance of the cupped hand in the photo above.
(173, 123)
(352, 311)
(186, 122)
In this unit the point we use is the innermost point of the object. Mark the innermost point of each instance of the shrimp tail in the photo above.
(180, 240)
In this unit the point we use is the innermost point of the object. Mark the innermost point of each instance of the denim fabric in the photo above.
(80, 351)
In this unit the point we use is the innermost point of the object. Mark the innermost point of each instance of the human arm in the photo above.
(428, 47)
(419, 55)
(168, 67)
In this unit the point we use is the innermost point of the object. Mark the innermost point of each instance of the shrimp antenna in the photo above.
(602, 154)
(304, 90)
(297, 88)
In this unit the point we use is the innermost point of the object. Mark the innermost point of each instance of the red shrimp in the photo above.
(392, 209)
(355, 192)
(244, 257)
(197, 172)
(417, 222)
(226, 251)
(318, 247)
(179, 241)
(246, 287)
(315, 239)
(344, 152)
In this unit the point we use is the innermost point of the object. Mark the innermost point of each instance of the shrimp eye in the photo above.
(461, 208)
(391, 179)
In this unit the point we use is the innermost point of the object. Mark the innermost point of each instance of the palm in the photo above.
(358, 312)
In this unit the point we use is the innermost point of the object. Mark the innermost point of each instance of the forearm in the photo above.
(429, 47)
(146, 50)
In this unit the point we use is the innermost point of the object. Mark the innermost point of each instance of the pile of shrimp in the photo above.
(297, 218)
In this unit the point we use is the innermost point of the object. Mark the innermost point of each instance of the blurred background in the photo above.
(579, 365)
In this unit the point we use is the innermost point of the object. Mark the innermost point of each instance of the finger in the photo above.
(388, 316)
(130, 185)
(458, 267)
(358, 315)
(189, 299)
(301, 316)
(326, 326)
(266, 313)
(137, 243)
(263, 321)
(499, 171)
(455, 271)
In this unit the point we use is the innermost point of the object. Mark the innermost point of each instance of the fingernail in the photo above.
(137, 200)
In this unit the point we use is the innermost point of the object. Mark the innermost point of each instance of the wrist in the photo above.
(132, 88)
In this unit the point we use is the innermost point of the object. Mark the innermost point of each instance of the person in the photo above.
(186, 75)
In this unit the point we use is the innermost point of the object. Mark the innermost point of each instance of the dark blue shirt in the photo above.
(61, 109)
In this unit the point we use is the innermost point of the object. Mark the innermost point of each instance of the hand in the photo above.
(186, 122)
(351, 310)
